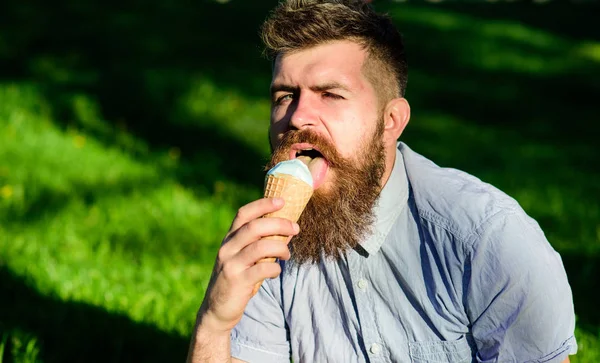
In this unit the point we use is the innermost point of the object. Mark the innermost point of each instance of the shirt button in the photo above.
(375, 348)
(362, 284)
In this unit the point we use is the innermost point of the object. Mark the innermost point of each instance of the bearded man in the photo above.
(394, 259)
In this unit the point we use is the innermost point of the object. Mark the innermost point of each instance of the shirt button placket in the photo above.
(370, 334)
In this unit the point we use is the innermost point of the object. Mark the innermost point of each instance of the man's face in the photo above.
(322, 101)
(323, 90)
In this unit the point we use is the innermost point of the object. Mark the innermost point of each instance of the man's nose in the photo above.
(303, 113)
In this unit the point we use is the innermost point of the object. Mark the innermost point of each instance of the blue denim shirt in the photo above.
(454, 271)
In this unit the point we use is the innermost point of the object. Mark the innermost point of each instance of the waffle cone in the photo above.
(296, 194)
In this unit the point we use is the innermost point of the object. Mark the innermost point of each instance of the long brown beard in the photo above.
(338, 219)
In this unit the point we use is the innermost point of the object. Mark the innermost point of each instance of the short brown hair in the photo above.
(299, 24)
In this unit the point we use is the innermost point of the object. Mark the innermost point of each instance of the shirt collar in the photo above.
(390, 203)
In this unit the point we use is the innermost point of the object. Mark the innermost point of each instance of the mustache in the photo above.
(291, 137)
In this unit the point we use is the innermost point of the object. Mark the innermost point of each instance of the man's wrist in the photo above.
(210, 342)
(207, 323)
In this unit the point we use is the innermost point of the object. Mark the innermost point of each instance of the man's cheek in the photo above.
(277, 130)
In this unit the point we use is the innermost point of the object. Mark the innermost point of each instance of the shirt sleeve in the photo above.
(261, 335)
(518, 298)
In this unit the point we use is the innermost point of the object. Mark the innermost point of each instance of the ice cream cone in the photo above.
(295, 193)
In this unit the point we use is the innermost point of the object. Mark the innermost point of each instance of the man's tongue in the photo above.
(318, 168)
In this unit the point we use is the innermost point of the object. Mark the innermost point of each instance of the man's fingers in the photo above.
(236, 269)
(264, 248)
(262, 271)
(237, 266)
(255, 210)
(264, 227)
(255, 230)
(248, 242)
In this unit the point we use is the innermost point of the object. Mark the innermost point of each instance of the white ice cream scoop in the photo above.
(295, 168)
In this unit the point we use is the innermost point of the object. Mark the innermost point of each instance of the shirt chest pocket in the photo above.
(457, 351)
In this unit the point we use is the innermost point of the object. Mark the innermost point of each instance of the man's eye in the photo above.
(283, 98)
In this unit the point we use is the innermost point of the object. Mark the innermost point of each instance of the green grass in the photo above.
(130, 137)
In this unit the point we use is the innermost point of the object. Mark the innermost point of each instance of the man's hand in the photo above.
(236, 272)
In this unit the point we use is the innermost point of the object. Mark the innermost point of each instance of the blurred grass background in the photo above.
(130, 132)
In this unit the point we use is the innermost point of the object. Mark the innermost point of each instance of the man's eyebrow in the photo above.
(278, 87)
(330, 86)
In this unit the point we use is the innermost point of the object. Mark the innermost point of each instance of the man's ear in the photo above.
(395, 117)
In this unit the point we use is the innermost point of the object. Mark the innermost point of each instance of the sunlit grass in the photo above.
(90, 224)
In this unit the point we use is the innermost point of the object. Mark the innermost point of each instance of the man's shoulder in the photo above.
(452, 199)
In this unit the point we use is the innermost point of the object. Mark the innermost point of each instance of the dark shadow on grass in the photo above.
(583, 270)
(78, 332)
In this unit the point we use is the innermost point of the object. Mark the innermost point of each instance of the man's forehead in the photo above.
(339, 61)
